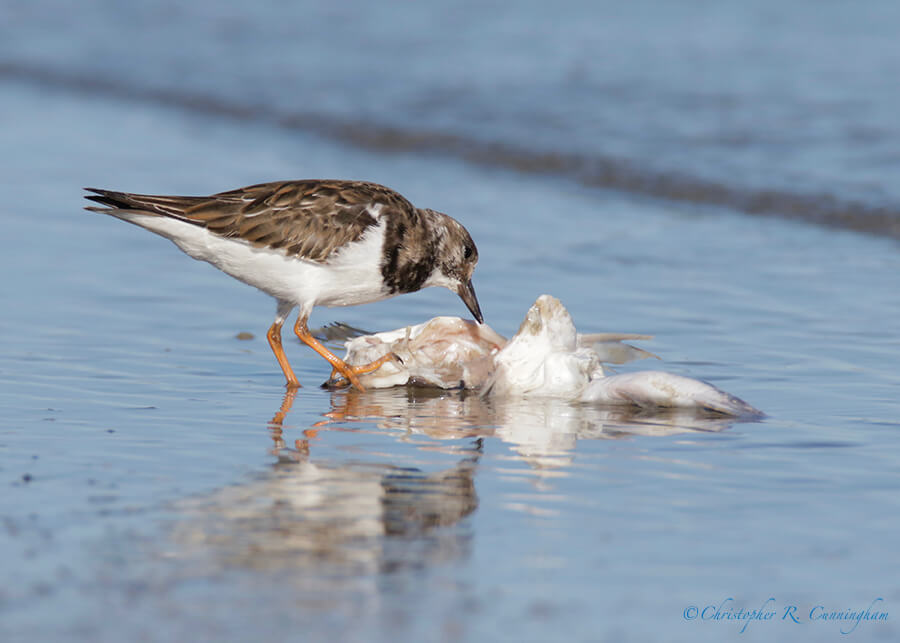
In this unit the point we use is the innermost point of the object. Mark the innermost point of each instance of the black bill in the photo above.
(467, 293)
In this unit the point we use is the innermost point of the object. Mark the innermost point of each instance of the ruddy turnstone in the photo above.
(312, 243)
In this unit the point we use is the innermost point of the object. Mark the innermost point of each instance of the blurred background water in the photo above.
(720, 175)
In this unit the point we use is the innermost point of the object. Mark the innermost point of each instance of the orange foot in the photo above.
(349, 373)
(339, 378)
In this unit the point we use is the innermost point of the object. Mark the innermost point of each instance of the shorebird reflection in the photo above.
(341, 516)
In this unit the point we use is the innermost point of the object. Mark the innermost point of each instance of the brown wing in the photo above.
(308, 219)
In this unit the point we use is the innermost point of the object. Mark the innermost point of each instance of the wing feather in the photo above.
(309, 219)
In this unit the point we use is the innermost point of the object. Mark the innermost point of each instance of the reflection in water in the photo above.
(543, 431)
(332, 517)
(308, 515)
(338, 518)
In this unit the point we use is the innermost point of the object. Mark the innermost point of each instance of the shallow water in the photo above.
(152, 468)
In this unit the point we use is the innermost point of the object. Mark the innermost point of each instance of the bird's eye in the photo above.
(468, 252)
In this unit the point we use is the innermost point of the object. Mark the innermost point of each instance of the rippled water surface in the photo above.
(159, 485)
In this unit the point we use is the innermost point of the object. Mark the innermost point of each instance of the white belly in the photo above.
(351, 276)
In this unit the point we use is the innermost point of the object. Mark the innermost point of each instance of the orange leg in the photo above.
(348, 372)
(274, 337)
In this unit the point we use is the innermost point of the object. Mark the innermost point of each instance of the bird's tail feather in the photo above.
(121, 202)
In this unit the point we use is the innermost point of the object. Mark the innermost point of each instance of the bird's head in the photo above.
(457, 257)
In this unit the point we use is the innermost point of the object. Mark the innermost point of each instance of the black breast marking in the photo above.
(409, 253)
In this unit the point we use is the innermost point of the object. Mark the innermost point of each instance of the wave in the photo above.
(598, 171)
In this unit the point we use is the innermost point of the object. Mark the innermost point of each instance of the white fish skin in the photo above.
(543, 358)
(658, 389)
(444, 352)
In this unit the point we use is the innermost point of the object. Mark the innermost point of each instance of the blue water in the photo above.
(157, 487)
